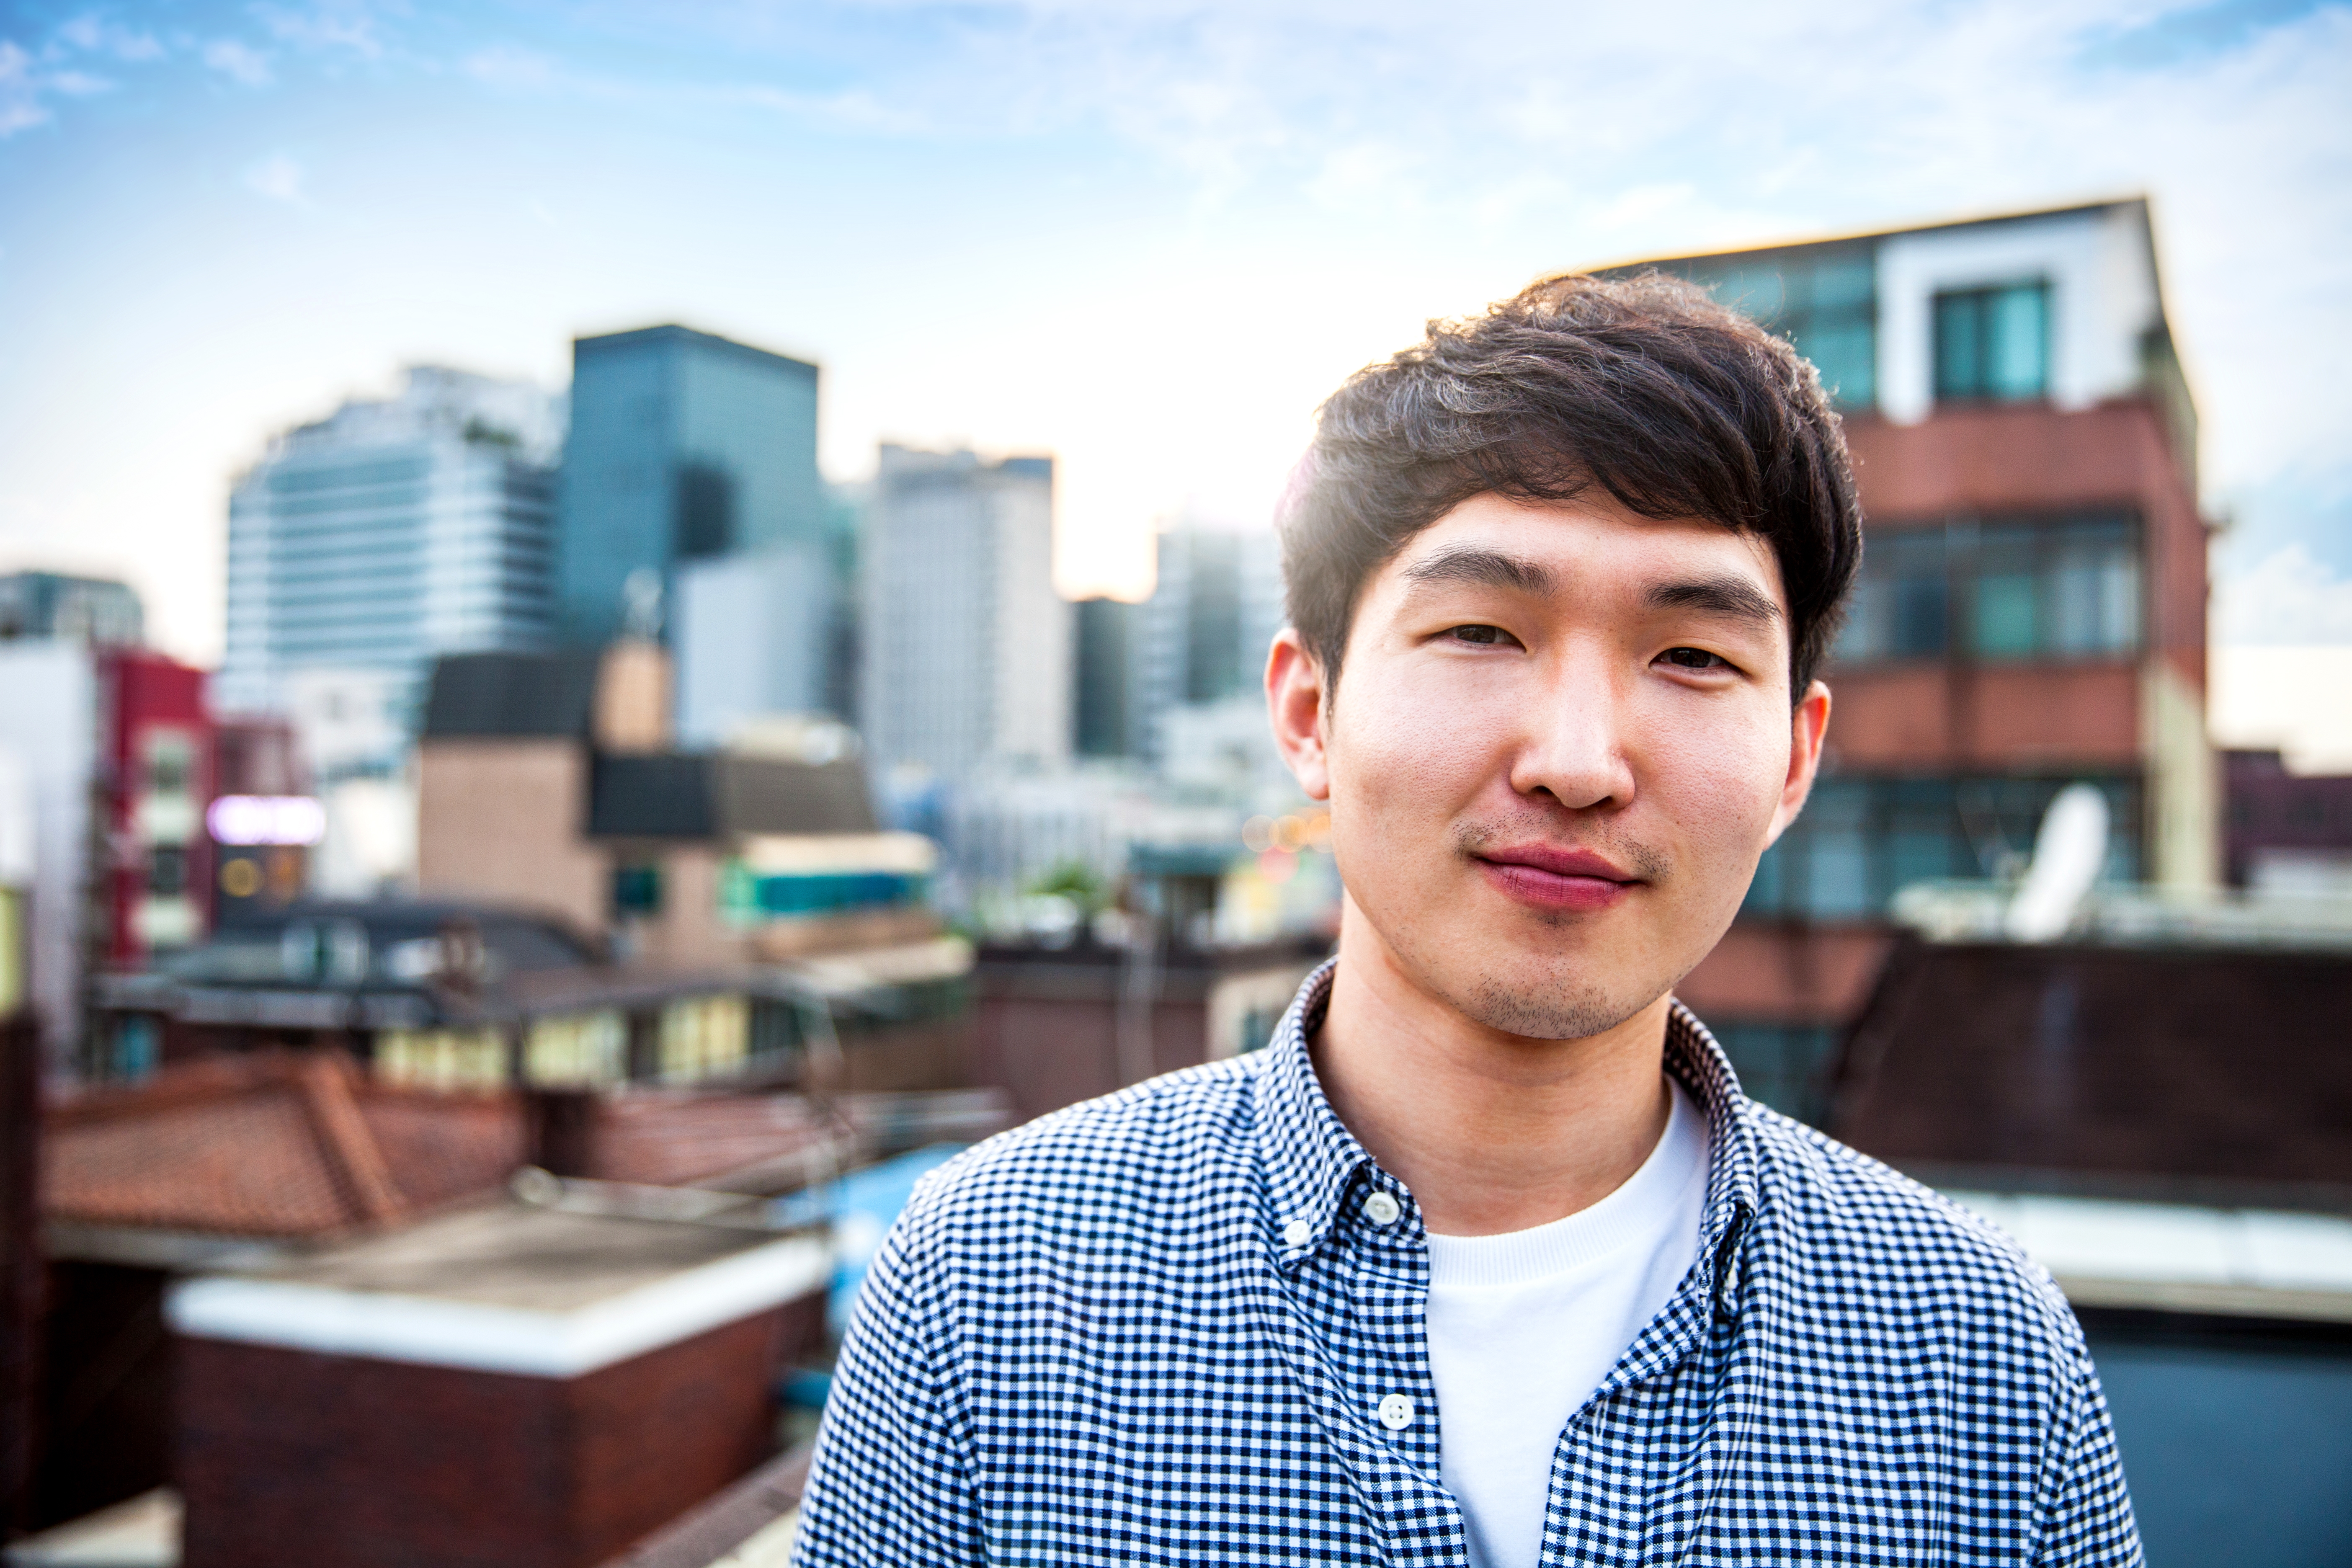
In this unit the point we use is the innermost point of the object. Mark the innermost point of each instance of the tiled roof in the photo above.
(272, 1145)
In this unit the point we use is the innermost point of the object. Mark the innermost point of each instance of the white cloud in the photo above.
(344, 26)
(94, 34)
(20, 103)
(512, 69)
(278, 176)
(2287, 599)
(239, 62)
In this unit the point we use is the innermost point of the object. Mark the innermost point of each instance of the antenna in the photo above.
(2067, 854)
(641, 596)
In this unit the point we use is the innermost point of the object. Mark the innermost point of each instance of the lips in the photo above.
(1553, 877)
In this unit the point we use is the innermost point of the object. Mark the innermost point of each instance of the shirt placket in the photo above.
(1377, 1237)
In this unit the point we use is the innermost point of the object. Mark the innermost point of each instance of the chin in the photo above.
(1549, 1006)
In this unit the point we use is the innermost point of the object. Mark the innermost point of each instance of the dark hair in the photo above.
(1673, 403)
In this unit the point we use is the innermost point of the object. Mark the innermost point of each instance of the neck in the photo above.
(1492, 1132)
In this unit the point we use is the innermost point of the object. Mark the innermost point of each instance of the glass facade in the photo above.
(1823, 299)
(683, 446)
(1861, 840)
(1994, 344)
(391, 533)
(2010, 589)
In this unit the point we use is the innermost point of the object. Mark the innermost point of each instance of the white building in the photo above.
(967, 646)
(48, 739)
(751, 634)
(393, 532)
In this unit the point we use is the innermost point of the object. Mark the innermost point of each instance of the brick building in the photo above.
(555, 782)
(2287, 832)
(512, 1383)
(2032, 610)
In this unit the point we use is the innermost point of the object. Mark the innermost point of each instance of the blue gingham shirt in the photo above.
(1161, 1327)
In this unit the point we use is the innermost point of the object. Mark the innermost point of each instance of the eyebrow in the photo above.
(1483, 568)
(1733, 598)
(1724, 595)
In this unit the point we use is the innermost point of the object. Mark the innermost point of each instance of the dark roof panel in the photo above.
(705, 795)
(668, 795)
(2116, 1069)
(768, 794)
(513, 694)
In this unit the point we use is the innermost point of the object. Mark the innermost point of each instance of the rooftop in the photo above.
(274, 1146)
(510, 1287)
(2181, 1257)
(2207, 1075)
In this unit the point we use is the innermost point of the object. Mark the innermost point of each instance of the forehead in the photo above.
(1588, 549)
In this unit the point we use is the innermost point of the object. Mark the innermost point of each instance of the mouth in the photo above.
(1550, 878)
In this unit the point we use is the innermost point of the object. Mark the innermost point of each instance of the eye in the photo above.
(1485, 637)
(1695, 659)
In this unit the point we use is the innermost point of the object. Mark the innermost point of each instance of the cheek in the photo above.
(1720, 783)
(1414, 743)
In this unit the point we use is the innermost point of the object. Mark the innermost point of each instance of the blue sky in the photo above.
(1144, 235)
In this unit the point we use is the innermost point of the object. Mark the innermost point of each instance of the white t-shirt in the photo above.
(1523, 1327)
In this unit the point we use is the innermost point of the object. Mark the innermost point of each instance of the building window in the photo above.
(1860, 841)
(1902, 599)
(1994, 344)
(1786, 1065)
(636, 892)
(2064, 591)
(2041, 589)
(1825, 301)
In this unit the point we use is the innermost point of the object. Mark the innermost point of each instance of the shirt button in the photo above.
(1396, 1412)
(1382, 1210)
(1295, 1233)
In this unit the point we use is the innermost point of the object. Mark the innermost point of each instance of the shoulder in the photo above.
(1849, 1229)
(1152, 1154)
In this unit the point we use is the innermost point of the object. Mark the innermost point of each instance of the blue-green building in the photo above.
(683, 446)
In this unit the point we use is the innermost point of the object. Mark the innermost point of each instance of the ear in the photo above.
(1808, 727)
(1295, 703)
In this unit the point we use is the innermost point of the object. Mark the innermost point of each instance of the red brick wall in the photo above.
(2031, 457)
(291, 1459)
(1787, 975)
(1991, 719)
(1052, 1051)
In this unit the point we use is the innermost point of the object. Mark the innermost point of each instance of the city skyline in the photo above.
(1145, 242)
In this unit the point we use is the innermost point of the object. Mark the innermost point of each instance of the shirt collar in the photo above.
(1308, 1157)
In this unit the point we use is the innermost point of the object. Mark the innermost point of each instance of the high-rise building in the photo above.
(1202, 636)
(967, 646)
(1103, 701)
(683, 447)
(2032, 602)
(94, 610)
(390, 532)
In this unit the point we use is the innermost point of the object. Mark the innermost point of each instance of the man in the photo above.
(1484, 1258)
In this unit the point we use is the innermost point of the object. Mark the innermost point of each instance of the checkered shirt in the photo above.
(1159, 1327)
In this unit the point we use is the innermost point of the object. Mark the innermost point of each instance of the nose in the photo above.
(1575, 747)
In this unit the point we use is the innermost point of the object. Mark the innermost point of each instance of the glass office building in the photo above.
(683, 447)
(390, 532)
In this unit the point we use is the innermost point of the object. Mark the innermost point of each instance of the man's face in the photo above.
(1562, 741)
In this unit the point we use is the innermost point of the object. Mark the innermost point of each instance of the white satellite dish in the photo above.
(2067, 854)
